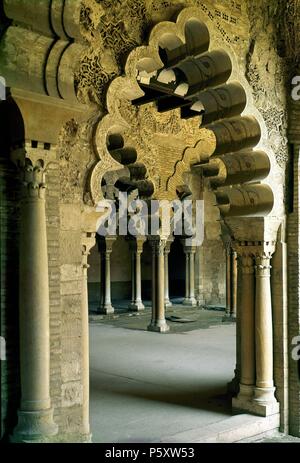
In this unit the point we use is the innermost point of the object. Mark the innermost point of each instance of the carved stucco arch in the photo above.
(137, 126)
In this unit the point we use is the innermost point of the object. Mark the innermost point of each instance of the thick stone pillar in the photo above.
(247, 340)
(35, 417)
(158, 321)
(167, 249)
(189, 275)
(88, 241)
(264, 397)
(136, 247)
(105, 249)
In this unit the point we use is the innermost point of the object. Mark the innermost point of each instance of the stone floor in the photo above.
(150, 387)
(180, 318)
(147, 386)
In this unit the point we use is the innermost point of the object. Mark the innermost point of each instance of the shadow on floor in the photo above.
(209, 398)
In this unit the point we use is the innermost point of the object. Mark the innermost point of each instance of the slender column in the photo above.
(136, 246)
(88, 241)
(228, 280)
(35, 417)
(199, 277)
(189, 276)
(247, 373)
(264, 390)
(105, 248)
(233, 286)
(233, 386)
(158, 321)
(133, 277)
(168, 303)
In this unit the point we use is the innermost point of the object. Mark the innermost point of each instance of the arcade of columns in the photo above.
(160, 277)
(248, 265)
(255, 369)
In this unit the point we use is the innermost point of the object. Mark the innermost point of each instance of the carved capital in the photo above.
(33, 179)
(105, 245)
(168, 244)
(247, 264)
(136, 244)
(157, 244)
(88, 241)
(263, 265)
(259, 252)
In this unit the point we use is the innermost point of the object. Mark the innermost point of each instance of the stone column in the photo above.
(264, 397)
(167, 249)
(233, 285)
(35, 417)
(158, 321)
(105, 249)
(228, 279)
(247, 346)
(233, 386)
(189, 275)
(199, 276)
(136, 246)
(231, 281)
(88, 241)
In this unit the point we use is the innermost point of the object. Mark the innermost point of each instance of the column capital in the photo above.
(87, 242)
(105, 244)
(33, 178)
(188, 249)
(157, 243)
(254, 248)
(136, 243)
(168, 244)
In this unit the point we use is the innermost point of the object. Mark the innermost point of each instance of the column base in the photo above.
(158, 326)
(257, 403)
(37, 426)
(189, 301)
(106, 309)
(136, 306)
(264, 401)
(168, 303)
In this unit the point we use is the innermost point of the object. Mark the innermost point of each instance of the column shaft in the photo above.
(35, 421)
(233, 286)
(264, 391)
(228, 281)
(105, 249)
(190, 276)
(107, 280)
(168, 303)
(247, 325)
(88, 242)
(136, 247)
(158, 321)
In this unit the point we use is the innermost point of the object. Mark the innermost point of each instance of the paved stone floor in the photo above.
(150, 387)
(145, 386)
(180, 318)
